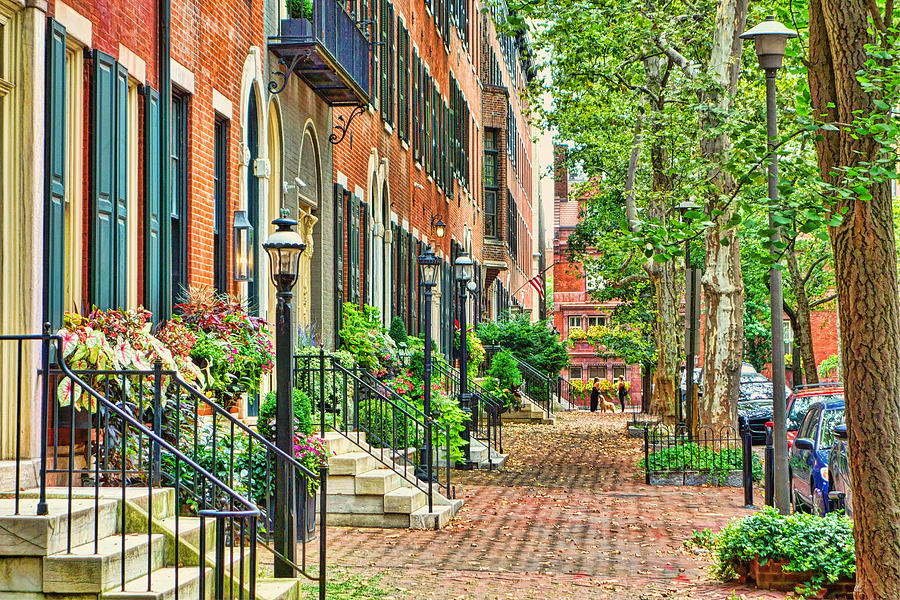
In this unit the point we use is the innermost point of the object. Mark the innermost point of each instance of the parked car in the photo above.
(803, 397)
(809, 454)
(755, 407)
(840, 493)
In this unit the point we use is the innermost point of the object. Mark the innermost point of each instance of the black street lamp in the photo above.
(771, 39)
(464, 270)
(429, 264)
(691, 308)
(284, 248)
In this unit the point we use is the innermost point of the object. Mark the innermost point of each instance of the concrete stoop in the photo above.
(529, 413)
(363, 492)
(35, 563)
(478, 454)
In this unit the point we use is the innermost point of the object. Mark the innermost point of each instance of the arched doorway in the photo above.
(276, 199)
(388, 277)
(309, 202)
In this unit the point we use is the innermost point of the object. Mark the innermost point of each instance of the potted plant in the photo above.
(299, 23)
(312, 453)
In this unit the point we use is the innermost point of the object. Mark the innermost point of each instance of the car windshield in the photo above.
(830, 420)
(801, 404)
(755, 389)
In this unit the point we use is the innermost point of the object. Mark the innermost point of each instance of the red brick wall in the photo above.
(211, 39)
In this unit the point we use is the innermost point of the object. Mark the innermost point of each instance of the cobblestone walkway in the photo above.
(569, 517)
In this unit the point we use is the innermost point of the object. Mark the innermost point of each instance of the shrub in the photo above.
(695, 457)
(532, 342)
(505, 378)
(265, 423)
(475, 352)
(397, 330)
(822, 546)
(301, 9)
(363, 336)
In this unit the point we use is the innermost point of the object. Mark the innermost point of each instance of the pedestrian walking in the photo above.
(595, 394)
(623, 392)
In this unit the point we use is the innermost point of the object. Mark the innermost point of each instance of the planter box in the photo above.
(771, 576)
(734, 479)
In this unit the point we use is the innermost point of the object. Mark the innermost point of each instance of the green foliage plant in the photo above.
(303, 424)
(533, 342)
(301, 9)
(504, 378)
(397, 331)
(823, 547)
(363, 337)
(830, 366)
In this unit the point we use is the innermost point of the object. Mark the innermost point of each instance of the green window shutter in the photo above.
(338, 259)
(392, 81)
(366, 247)
(152, 219)
(103, 184)
(353, 247)
(411, 282)
(385, 59)
(121, 177)
(55, 173)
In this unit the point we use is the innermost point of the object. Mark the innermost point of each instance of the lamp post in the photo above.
(771, 39)
(429, 264)
(284, 248)
(464, 268)
(690, 317)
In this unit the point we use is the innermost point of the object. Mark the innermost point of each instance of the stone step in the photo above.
(30, 535)
(340, 444)
(351, 503)
(382, 520)
(351, 463)
(377, 481)
(163, 497)
(189, 530)
(405, 500)
(84, 571)
(277, 589)
(436, 519)
(162, 586)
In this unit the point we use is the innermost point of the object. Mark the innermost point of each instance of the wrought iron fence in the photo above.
(675, 455)
(108, 434)
(487, 425)
(365, 411)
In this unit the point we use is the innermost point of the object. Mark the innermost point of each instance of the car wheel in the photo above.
(818, 500)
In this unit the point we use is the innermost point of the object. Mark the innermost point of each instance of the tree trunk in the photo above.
(803, 329)
(723, 339)
(865, 261)
(669, 335)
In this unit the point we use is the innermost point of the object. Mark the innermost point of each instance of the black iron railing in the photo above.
(568, 395)
(675, 455)
(349, 401)
(329, 25)
(133, 430)
(130, 455)
(487, 425)
(536, 385)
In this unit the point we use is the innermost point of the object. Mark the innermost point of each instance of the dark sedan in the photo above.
(755, 406)
(808, 458)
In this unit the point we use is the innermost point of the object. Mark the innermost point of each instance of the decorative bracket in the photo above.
(284, 74)
(344, 126)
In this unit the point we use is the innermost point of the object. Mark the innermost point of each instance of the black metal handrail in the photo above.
(537, 386)
(236, 517)
(567, 393)
(486, 422)
(354, 405)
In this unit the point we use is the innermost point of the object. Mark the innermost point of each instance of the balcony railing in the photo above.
(327, 49)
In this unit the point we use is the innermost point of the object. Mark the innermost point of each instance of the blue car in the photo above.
(840, 492)
(808, 458)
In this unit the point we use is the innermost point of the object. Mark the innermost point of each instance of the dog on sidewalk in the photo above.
(607, 406)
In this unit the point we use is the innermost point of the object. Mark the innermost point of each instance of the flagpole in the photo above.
(533, 278)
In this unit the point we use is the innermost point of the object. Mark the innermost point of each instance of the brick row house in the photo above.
(572, 303)
(369, 122)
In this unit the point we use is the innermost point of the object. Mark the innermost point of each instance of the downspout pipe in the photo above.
(165, 159)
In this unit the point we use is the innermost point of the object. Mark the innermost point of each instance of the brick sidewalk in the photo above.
(569, 517)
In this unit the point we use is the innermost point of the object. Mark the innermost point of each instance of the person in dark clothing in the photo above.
(623, 392)
(595, 394)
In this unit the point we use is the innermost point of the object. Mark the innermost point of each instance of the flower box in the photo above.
(772, 576)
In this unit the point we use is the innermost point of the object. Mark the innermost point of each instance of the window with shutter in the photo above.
(384, 50)
(103, 182)
(338, 259)
(220, 206)
(152, 217)
(353, 247)
(366, 247)
(55, 173)
(392, 52)
(415, 120)
(179, 183)
(403, 82)
(121, 194)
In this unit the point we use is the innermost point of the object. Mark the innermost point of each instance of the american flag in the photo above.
(537, 282)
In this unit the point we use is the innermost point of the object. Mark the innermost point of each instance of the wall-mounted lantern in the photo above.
(243, 247)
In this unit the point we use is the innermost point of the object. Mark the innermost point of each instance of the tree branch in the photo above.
(690, 71)
(876, 14)
(630, 206)
(809, 272)
(822, 301)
